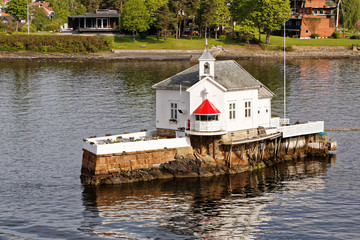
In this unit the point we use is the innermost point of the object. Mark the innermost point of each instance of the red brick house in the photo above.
(311, 16)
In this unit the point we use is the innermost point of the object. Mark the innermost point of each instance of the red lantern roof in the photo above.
(206, 108)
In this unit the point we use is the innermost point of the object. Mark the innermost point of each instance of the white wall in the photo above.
(239, 98)
(264, 118)
(163, 100)
(137, 146)
(197, 97)
(217, 96)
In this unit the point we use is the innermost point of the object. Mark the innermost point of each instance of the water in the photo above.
(48, 107)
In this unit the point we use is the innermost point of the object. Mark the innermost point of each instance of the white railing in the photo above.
(208, 126)
(284, 121)
(275, 122)
(136, 146)
(302, 129)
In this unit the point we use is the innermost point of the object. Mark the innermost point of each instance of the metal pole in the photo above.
(337, 15)
(284, 73)
(28, 21)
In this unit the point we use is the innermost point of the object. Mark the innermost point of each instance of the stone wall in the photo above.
(208, 156)
(127, 161)
(166, 132)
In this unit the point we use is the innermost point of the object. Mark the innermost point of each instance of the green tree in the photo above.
(39, 18)
(221, 14)
(91, 5)
(273, 15)
(192, 8)
(135, 16)
(206, 14)
(18, 9)
(350, 13)
(113, 4)
(178, 7)
(153, 6)
(165, 20)
(268, 15)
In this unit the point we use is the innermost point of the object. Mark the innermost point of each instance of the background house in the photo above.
(309, 17)
(45, 6)
(102, 21)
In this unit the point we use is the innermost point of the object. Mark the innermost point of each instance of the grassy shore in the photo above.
(185, 43)
(151, 43)
(277, 40)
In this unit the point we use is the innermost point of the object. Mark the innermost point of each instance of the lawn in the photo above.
(150, 42)
(277, 40)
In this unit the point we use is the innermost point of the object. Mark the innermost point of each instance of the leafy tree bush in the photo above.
(6, 27)
(18, 9)
(25, 28)
(336, 34)
(314, 35)
(48, 44)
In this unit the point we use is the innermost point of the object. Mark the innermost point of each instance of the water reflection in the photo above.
(226, 206)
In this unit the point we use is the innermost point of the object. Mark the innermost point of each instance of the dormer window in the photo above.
(207, 68)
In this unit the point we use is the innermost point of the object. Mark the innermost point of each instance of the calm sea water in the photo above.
(46, 108)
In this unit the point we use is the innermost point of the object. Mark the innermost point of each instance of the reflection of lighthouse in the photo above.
(230, 207)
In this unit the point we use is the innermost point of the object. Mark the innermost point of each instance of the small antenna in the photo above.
(206, 44)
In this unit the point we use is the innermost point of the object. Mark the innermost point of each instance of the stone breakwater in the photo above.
(188, 162)
(326, 52)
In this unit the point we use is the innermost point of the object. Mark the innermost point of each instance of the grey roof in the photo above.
(228, 73)
(206, 55)
(95, 15)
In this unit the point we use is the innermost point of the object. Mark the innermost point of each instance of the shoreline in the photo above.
(313, 52)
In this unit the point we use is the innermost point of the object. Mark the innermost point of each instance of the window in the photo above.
(306, 31)
(315, 11)
(321, 12)
(232, 111)
(207, 68)
(207, 118)
(173, 110)
(248, 109)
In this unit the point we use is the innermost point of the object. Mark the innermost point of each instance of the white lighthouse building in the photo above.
(212, 98)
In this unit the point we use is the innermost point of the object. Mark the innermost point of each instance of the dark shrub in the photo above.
(336, 35)
(53, 43)
(314, 35)
(355, 37)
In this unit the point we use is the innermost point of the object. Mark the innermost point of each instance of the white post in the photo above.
(337, 15)
(28, 22)
(284, 74)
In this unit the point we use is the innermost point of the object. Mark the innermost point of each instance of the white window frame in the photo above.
(232, 110)
(247, 109)
(173, 110)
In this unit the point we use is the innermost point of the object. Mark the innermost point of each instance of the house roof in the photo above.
(206, 108)
(95, 15)
(320, 4)
(45, 6)
(206, 56)
(228, 74)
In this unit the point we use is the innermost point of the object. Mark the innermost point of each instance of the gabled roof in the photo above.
(206, 56)
(228, 74)
(206, 108)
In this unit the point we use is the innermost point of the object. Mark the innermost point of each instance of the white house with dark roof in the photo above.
(212, 98)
